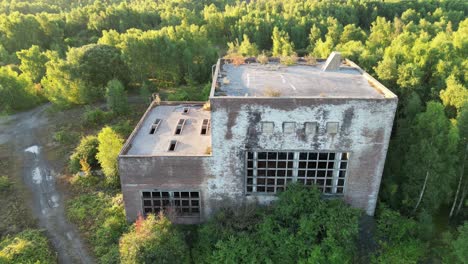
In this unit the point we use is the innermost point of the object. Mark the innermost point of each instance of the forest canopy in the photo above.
(78, 52)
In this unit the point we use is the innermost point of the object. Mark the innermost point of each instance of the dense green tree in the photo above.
(33, 63)
(116, 97)
(430, 161)
(455, 94)
(110, 144)
(85, 151)
(282, 46)
(16, 91)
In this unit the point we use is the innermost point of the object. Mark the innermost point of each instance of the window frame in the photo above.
(263, 129)
(172, 201)
(334, 178)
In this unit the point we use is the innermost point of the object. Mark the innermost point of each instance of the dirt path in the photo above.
(22, 131)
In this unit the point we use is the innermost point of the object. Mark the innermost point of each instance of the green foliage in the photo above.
(245, 48)
(455, 94)
(95, 117)
(33, 63)
(102, 219)
(116, 97)
(398, 239)
(5, 183)
(460, 244)
(305, 227)
(29, 246)
(16, 91)
(110, 144)
(153, 240)
(431, 156)
(281, 43)
(86, 150)
(65, 136)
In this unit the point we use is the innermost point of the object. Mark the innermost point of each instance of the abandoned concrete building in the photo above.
(265, 125)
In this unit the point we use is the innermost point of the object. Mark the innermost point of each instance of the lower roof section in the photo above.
(171, 129)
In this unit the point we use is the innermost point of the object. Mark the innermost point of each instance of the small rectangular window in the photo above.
(205, 126)
(172, 145)
(185, 111)
(332, 127)
(268, 127)
(310, 128)
(289, 127)
(180, 126)
(155, 126)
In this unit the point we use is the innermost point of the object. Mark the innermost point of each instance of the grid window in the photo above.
(270, 172)
(205, 127)
(183, 203)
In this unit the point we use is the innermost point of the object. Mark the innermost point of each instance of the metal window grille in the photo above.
(271, 171)
(183, 203)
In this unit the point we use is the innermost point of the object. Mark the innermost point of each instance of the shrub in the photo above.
(398, 239)
(305, 227)
(5, 183)
(29, 246)
(95, 117)
(310, 60)
(270, 92)
(102, 219)
(116, 97)
(262, 58)
(66, 137)
(153, 240)
(86, 150)
(289, 60)
(110, 144)
(123, 128)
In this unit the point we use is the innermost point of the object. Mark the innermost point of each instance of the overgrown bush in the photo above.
(305, 227)
(116, 97)
(5, 183)
(29, 246)
(110, 144)
(153, 240)
(86, 150)
(65, 136)
(124, 128)
(101, 218)
(95, 117)
(289, 60)
(398, 238)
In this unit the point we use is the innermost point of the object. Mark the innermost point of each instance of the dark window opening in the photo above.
(172, 145)
(205, 127)
(270, 172)
(186, 111)
(184, 204)
(155, 126)
(180, 126)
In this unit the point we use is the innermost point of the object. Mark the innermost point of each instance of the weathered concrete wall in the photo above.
(364, 131)
(180, 173)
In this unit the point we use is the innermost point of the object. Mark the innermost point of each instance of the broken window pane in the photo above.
(270, 172)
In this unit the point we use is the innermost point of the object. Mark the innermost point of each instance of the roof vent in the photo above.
(333, 62)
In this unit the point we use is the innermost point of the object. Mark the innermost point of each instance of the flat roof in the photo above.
(190, 141)
(299, 80)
